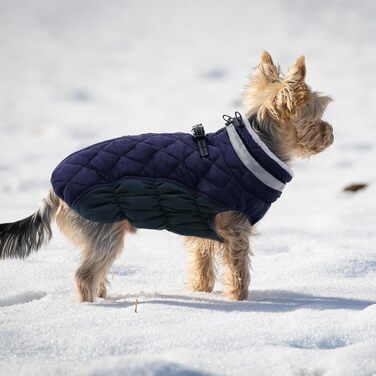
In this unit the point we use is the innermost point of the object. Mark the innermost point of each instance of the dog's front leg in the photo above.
(236, 257)
(202, 271)
(235, 229)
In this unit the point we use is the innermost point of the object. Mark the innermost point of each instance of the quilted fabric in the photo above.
(101, 174)
(152, 204)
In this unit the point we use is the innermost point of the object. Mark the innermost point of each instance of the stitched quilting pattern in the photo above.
(220, 177)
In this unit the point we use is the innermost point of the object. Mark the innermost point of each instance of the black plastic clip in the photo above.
(237, 120)
(198, 132)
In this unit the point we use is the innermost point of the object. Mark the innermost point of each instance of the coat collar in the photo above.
(259, 160)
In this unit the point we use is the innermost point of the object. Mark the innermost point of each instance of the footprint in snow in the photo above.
(22, 298)
(214, 74)
(363, 147)
(80, 96)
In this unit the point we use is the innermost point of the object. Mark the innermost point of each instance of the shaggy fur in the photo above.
(19, 239)
(288, 112)
(289, 121)
(100, 245)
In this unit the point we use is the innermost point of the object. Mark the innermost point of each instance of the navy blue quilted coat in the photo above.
(160, 181)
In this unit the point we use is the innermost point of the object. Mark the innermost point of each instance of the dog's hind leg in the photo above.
(102, 291)
(235, 229)
(100, 243)
(96, 259)
(202, 270)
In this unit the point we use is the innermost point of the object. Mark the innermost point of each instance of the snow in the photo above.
(74, 73)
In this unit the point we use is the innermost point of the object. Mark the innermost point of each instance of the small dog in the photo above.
(216, 212)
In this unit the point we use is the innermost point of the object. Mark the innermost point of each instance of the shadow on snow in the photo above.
(258, 301)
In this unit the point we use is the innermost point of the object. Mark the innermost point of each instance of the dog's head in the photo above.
(287, 108)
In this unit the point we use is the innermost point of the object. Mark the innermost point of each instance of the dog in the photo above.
(231, 178)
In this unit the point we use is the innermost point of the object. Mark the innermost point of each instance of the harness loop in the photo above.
(237, 120)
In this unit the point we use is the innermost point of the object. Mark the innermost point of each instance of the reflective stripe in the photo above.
(251, 163)
(258, 140)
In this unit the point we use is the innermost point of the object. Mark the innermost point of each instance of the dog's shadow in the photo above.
(258, 301)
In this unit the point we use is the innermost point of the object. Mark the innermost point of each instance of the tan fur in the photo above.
(100, 245)
(235, 230)
(288, 111)
(202, 271)
(290, 122)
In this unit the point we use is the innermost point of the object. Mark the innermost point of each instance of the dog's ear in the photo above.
(263, 85)
(266, 58)
(293, 92)
(297, 72)
(266, 71)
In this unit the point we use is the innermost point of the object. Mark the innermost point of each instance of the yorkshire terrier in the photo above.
(98, 195)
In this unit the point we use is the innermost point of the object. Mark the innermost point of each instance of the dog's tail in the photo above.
(19, 239)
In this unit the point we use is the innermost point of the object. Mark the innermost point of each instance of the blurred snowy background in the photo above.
(76, 72)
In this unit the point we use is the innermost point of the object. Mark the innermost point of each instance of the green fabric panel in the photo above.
(149, 204)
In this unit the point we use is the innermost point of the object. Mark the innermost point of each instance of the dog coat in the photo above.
(161, 181)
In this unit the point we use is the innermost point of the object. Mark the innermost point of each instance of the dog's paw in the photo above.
(102, 292)
(203, 284)
(85, 291)
(237, 295)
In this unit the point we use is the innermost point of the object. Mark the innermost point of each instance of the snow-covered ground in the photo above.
(76, 72)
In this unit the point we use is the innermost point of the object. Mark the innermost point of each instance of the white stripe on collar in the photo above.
(250, 162)
(257, 138)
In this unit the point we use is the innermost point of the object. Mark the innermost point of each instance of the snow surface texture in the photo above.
(76, 72)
